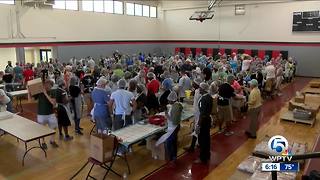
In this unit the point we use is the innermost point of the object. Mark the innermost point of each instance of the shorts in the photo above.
(224, 113)
(50, 119)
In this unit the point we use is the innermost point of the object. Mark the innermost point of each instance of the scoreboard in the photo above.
(308, 21)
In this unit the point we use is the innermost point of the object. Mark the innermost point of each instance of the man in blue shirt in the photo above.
(124, 103)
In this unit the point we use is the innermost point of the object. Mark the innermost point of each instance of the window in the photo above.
(98, 6)
(145, 11)
(72, 5)
(130, 9)
(7, 2)
(58, 4)
(138, 9)
(118, 7)
(66, 4)
(153, 11)
(108, 6)
(87, 5)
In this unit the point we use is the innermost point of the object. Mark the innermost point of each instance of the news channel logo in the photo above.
(279, 145)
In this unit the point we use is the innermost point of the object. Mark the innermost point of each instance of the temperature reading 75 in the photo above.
(289, 166)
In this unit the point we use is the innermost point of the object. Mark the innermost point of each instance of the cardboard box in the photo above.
(35, 86)
(101, 147)
(312, 99)
(158, 152)
(313, 108)
(299, 99)
(314, 84)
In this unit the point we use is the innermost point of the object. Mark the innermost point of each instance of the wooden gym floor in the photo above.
(227, 152)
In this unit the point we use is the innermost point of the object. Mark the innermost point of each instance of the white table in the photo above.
(137, 132)
(25, 130)
(18, 95)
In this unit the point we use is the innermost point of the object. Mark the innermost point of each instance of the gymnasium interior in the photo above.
(266, 50)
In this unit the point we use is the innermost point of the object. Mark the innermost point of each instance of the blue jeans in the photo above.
(118, 122)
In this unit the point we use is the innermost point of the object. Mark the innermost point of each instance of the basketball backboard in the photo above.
(202, 15)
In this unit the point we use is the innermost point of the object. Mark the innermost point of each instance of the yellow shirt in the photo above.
(254, 98)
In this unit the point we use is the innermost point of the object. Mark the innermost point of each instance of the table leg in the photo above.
(34, 147)
(20, 99)
(92, 129)
(126, 160)
(17, 103)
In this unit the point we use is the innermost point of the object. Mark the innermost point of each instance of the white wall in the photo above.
(7, 54)
(262, 22)
(65, 25)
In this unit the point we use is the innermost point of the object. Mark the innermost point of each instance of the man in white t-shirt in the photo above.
(270, 77)
(184, 84)
(122, 103)
(270, 71)
(91, 63)
(246, 64)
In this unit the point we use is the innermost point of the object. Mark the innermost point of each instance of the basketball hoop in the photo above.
(202, 15)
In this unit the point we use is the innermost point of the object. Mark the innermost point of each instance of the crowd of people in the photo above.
(121, 90)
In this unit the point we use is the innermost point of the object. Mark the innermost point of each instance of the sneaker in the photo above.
(80, 128)
(54, 144)
(79, 132)
(68, 138)
(120, 154)
(44, 146)
(229, 133)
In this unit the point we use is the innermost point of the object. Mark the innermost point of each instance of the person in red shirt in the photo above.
(153, 84)
(28, 74)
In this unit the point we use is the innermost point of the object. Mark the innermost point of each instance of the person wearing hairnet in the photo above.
(254, 103)
(75, 93)
(140, 112)
(122, 103)
(173, 113)
(226, 92)
(167, 86)
(197, 96)
(204, 124)
(63, 112)
(184, 84)
(101, 113)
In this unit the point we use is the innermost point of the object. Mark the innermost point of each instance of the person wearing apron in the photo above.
(174, 117)
(204, 124)
(101, 113)
(75, 93)
(63, 112)
(197, 96)
(140, 113)
(122, 103)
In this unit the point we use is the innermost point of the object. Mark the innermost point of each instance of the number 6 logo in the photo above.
(278, 143)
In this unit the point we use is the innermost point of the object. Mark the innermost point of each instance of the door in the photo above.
(45, 55)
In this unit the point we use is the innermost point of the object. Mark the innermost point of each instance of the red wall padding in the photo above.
(221, 50)
(187, 51)
(261, 53)
(198, 51)
(209, 52)
(213, 52)
(275, 54)
(176, 50)
(247, 51)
